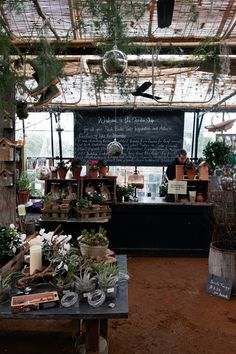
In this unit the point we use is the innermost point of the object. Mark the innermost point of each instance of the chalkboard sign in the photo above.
(219, 286)
(149, 137)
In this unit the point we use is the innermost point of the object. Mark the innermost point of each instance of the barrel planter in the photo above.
(222, 262)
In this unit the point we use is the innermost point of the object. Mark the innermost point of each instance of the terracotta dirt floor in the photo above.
(170, 312)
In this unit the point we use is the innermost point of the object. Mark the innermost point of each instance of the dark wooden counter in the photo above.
(153, 227)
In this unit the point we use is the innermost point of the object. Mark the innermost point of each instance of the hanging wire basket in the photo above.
(114, 148)
(114, 62)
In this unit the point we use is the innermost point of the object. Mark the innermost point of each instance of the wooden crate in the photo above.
(25, 303)
(100, 213)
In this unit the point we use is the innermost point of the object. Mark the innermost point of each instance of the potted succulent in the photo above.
(85, 282)
(107, 277)
(75, 165)
(93, 243)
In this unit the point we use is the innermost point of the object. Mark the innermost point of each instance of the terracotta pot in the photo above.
(191, 173)
(76, 172)
(93, 173)
(61, 172)
(23, 197)
(103, 171)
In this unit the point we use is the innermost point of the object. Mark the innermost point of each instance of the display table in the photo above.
(95, 319)
(153, 227)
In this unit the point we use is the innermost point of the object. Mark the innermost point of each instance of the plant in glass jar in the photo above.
(107, 277)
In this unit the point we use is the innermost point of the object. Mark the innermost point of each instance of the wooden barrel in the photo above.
(222, 262)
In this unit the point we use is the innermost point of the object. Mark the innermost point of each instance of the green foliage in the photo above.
(64, 268)
(24, 182)
(191, 166)
(84, 281)
(94, 238)
(83, 203)
(217, 154)
(10, 240)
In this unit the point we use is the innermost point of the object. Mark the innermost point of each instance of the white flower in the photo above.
(14, 249)
(11, 226)
(60, 265)
(66, 267)
(41, 232)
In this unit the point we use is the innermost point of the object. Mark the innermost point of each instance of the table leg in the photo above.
(92, 332)
(104, 327)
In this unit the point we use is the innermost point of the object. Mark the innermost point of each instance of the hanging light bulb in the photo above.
(114, 62)
(114, 148)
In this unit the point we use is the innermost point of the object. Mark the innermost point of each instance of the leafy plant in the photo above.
(106, 274)
(62, 164)
(83, 203)
(191, 166)
(10, 240)
(93, 238)
(217, 154)
(75, 162)
(24, 182)
(95, 197)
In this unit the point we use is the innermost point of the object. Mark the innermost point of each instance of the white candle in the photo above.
(35, 255)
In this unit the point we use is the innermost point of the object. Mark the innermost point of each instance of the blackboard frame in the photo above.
(149, 137)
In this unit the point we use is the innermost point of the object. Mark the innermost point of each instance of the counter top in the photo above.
(162, 201)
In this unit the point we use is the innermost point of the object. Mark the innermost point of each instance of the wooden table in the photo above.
(95, 319)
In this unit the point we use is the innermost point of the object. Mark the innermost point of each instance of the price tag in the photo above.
(21, 210)
(110, 290)
(177, 187)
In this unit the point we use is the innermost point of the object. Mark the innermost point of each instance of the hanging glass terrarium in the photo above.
(114, 62)
(114, 148)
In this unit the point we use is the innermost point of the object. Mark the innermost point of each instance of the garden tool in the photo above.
(47, 96)
(47, 73)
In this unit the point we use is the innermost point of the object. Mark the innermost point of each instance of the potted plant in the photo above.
(222, 255)
(24, 187)
(191, 169)
(85, 282)
(102, 168)
(107, 277)
(11, 242)
(62, 169)
(92, 243)
(126, 192)
(75, 165)
(92, 168)
(217, 154)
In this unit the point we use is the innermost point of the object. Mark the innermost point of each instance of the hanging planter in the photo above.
(114, 148)
(114, 62)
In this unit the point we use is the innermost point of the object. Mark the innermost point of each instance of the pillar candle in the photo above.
(35, 255)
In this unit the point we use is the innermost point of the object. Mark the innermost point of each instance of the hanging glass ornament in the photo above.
(114, 148)
(114, 62)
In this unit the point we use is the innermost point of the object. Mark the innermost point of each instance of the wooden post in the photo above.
(8, 193)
